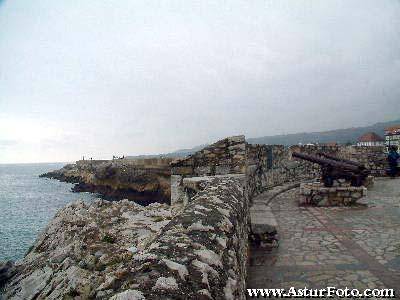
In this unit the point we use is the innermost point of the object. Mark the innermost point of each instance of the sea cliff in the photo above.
(144, 180)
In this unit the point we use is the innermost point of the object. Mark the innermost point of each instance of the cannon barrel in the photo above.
(327, 162)
(347, 161)
(336, 169)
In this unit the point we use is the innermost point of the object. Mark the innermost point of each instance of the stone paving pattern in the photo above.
(354, 247)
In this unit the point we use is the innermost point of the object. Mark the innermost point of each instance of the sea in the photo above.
(28, 203)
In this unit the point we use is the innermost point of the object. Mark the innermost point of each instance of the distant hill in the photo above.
(177, 153)
(340, 136)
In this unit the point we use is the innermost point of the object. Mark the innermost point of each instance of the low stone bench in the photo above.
(263, 224)
(316, 194)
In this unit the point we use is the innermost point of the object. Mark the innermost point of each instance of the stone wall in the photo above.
(227, 156)
(211, 190)
(265, 166)
(210, 193)
(374, 158)
(256, 165)
(202, 252)
(272, 165)
(316, 194)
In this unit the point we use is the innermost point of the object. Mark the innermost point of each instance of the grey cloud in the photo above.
(146, 77)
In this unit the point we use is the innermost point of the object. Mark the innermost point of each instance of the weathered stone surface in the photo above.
(129, 295)
(317, 195)
(188, 259)
(262, 219)
(226, 156)
(7, 270)
(86, 249)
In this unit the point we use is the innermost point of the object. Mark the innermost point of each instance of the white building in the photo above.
(392, 136)
(370, 139)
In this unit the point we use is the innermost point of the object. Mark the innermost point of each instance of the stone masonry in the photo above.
(318, 195)
(227, 156)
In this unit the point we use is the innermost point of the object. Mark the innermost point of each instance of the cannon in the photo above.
(347, 161)
(333, 169)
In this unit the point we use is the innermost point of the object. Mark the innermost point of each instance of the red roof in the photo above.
(392, 129)
(370, 137)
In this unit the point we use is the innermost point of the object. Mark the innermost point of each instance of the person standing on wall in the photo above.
(393, 157)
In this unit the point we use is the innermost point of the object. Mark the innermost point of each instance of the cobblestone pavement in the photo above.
(357, 247)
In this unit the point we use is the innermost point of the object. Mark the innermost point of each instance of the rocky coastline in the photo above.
(68, 173)
(85, 251)
(143, 181)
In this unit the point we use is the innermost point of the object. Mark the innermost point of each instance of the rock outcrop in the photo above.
(7, 270)
(86, 250)
(69, 173)
(121, 250)
(142, 181)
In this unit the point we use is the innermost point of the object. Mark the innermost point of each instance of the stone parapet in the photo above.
(374, 158)
(202, 252)
(227, 156)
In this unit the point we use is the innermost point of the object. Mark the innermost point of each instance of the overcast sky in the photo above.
(98, 78)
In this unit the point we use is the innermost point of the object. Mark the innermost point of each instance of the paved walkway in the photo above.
(356, 247)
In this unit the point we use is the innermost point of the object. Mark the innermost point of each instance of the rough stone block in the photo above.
(237, 147)
(262, 219)
(236, 139)
(318, 195)
(182, 170)
(222, 169)
(202, 170)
